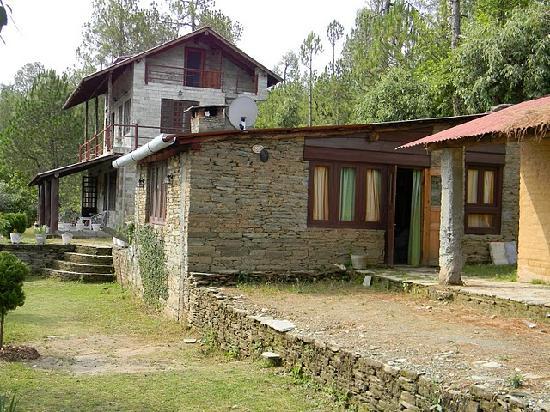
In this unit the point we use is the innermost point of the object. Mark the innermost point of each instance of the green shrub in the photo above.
(12, 274)
(13, 223)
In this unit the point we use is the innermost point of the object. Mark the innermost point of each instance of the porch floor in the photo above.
(524, 293)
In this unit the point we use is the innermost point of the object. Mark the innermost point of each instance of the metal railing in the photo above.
(102, 142)
(159, 73)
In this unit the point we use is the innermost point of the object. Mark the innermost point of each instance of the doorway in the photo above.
(408, 221)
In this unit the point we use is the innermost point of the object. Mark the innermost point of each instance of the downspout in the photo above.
(160, 142)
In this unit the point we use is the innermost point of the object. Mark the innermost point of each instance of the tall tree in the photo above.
(288, 67)
(121, 27)
(335, 31)
(456, 18)
(310, 48)
(194, 14)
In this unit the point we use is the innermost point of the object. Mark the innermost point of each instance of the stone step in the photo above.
(94, 250)
(88, 259)
(67, 275)
(82, 267)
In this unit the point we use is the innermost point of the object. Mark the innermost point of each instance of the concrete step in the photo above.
(67, 275)
(94, 250)
(76, 257)
(81, 267)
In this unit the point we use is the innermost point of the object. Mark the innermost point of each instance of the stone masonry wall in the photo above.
(38, 257)
(249, 216)
(534, 232)
(378, 386)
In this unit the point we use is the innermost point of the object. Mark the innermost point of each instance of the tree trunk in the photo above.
(455, 22)
(1, 329)
(310, 91)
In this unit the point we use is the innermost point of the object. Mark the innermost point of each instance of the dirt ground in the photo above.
(451, 342)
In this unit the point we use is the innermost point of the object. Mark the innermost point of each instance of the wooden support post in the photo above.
(54, 205)
(86, 121)
(96, 109)
(47, 203)
(109, 128)
(41, 204)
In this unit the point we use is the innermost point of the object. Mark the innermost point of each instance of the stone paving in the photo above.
(524, 293)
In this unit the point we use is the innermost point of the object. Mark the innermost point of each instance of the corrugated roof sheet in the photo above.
(512, 121)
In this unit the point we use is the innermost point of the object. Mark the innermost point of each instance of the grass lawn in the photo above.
(102, 351)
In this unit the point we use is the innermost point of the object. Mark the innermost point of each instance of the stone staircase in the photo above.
(86, 264)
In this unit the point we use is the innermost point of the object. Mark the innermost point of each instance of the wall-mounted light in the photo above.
(141, 181)
(169, 179)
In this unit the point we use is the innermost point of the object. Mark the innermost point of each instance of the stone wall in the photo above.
(378, 386)
(250, 216)
(534, 223)
(38, 257)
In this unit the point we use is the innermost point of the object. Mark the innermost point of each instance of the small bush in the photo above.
(13, 222)
(12, 274)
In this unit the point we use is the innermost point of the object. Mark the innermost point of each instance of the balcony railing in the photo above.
(102, 142)
(158, 73)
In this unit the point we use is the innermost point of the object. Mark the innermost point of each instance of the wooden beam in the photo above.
(41, 205)
(86, 121)
(47, 202)
(96, 109)
(54, 205)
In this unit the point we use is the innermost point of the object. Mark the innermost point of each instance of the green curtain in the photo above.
(347, 194)
(416, 219)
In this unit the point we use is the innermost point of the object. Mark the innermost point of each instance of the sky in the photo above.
(50, 31)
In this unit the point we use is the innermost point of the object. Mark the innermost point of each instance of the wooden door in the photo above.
(390, 231)
(194, 64)
(432, 216)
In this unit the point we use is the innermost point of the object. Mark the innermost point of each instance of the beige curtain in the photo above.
(488, 186)
(374, 184)
(471, 195)
(320, 198)
(480, 221)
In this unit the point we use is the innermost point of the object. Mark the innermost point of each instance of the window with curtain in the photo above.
(482, 201)
(320, 193)
(346, 195)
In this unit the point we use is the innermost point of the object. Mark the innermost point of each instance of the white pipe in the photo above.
(158, 143)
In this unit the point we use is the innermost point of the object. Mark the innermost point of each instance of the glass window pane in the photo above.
(488, 186)
(347, 194)
(471, 194)
(373, 189)
(480, 221)
(320, 193)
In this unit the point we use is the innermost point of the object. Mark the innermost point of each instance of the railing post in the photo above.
(87, 150)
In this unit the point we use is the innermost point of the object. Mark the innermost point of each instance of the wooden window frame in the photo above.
(202, 52)
(157, 192)
(495, 209)
(359, 221)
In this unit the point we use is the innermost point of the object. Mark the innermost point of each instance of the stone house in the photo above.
(527, 124)
(294, 202)
(144, 95)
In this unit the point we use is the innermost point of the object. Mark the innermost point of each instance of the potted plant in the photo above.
(40, 234)
(14, 225)
(66, 238)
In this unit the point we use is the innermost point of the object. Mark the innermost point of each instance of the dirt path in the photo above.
(447, 341)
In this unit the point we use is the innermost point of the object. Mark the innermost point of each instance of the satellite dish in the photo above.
(243, 112)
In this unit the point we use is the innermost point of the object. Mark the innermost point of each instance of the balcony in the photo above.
(157, 73)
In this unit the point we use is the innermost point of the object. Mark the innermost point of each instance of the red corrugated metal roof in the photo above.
(529, 114)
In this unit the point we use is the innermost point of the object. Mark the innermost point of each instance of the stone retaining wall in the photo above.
(378, 386)
(38, 257)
